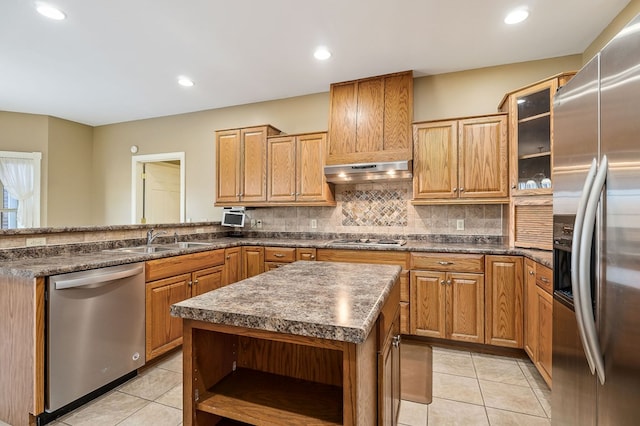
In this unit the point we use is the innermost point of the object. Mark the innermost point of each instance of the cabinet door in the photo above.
(281, 179)
(207, 280)
(530, 310)
(311, 184)
(164, 332)
(252, 261)
(389, 374)
(482, 157)
(232, 265)
(370, 115)
(343, 105)
(227, 166)
(545, 334)
(254, 164)
(504, 301)
(465, 307)
(435, 160)
(428, 307)
(398, 113)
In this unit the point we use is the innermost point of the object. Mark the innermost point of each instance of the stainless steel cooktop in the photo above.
(370, 242)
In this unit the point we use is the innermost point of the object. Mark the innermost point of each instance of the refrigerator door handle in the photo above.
(586, 241)
(575, 262)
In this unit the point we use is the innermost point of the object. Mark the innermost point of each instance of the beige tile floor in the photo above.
(468, 389)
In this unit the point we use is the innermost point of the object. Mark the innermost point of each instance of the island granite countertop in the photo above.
(328, 300)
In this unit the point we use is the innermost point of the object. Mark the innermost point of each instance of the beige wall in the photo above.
(479, 91)
(69, 173)
(627, 14)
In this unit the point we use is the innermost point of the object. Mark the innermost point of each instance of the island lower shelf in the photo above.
(251, 395)
(259, 377)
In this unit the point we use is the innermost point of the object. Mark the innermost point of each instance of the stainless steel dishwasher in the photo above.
(95, 330)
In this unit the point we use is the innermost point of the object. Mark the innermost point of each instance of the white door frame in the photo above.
(151, 158)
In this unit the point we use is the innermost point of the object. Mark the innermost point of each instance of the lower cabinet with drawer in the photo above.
(171, 280)
(447, 296)
(538, 325)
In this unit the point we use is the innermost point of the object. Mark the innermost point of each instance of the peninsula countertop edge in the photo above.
(327, 300)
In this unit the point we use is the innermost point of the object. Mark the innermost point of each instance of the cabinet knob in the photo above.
(513, 187)
(293, 193)
(442, 282)
(461, 189)
(544, 279)
(190, 283)
(455, 189)
(449, 281)
(313, 257)
(279, 255)
(531, 273)
(444, 262)
(228, 257)
(195, 282)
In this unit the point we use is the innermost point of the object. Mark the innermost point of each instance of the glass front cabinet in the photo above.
(530, 160)
(531, 135)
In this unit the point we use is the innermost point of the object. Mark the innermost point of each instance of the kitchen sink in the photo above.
(141, 249)
(187, 244)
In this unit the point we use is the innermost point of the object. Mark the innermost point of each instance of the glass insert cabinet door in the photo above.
(532, 139)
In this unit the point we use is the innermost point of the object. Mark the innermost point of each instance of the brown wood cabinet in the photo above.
(530, 111)
(461, 161)
(172, 280)
(389, 362)
(252, 261)
(447, 304)
(379, 257)
(504, 301)
(538, 337)
(241, 165)
(232, 265)
(295, 170)
(370, 119)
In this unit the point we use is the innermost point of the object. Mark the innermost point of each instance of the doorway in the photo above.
(158, 188)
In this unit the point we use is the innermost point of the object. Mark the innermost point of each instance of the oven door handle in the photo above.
(586, 241)
(576, 249)
(96, 280)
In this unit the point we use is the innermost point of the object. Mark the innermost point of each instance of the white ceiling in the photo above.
(118, 60)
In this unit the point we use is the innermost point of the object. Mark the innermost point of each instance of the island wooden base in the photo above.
(259, 377)
(236, 375)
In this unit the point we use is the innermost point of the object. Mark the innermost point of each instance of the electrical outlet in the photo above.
(460, 225)
(199, 230)
(40, 241)
(258, 223)
(314, 223)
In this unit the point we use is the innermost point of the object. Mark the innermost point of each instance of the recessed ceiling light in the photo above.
(185, 81)
(516, 16)
(50, 12)
(322, 54)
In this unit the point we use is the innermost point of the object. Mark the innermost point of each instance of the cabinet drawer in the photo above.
(176, 265)
(544, 278)
(279, 254)
(448, 262)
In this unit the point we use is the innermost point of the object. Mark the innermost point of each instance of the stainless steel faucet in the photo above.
(151, 236)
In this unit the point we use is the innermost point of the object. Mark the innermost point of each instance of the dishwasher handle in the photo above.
(93, 277)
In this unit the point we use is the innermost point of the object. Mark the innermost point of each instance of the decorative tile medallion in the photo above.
(374, 207)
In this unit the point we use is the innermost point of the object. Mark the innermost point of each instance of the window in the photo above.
(20, 189)
(8, 210)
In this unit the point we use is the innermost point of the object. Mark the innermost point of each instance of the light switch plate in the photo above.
(460, 225)
(314, 223)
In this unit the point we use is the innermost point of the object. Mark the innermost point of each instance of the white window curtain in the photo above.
(18, 176)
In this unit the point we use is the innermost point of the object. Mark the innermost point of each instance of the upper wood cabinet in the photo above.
(295, 170)
(241, 165)
(531, 134)
(461, 161)
(370, 119)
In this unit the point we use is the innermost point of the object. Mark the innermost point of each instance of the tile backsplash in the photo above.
(382, 208)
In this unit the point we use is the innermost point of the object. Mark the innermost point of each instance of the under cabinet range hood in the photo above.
(365, 172)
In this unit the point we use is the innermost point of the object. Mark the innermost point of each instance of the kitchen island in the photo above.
(308, 343)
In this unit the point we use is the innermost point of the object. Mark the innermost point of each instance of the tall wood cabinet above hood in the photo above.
(370, 120)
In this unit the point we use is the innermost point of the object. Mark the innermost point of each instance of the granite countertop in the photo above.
(328, 300)
(31, 262)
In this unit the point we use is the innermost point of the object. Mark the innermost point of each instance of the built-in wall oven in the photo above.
(95, 333)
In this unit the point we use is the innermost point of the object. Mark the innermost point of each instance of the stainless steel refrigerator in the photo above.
(596, 206)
